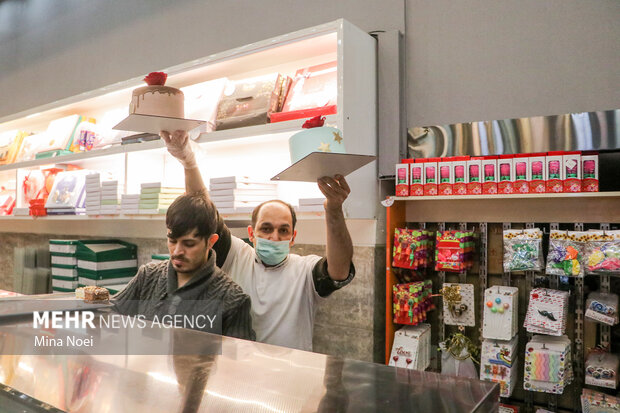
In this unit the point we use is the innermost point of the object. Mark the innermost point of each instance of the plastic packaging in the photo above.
(523, 250)
(565, 255)
(602, 255)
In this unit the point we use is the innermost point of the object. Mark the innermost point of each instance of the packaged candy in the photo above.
(412, 347)
(566, 253)
(454, 251)
(523, 250)
(412, 248)
(602, 255)
(602, 369)
(411, 302)
(602, 307)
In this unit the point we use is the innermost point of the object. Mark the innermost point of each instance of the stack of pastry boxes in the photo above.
(498, 358)
(412, 301)
(156, 198)
(108, 263)
(64, 265)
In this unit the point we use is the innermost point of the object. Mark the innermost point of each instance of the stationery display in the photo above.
(412, 248)
(602, 307)
(500, 314)
(105, 262)
(412, 347)
(602, 254)
(595, 402)
(566, 253)
(458, 304)
(547, 312)
(523, 250)
(602, 369)
(155, 198)
(411, 302)
(64, 265)
(10, 143)
(498, 363)
(313, 92)
(67, 194)
(548, 364)
(454, 251)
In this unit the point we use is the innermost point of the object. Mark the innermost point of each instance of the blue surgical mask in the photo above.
(271, 252)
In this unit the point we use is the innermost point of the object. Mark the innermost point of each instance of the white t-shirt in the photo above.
(284, 299)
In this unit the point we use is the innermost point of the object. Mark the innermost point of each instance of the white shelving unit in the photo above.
(258, 151)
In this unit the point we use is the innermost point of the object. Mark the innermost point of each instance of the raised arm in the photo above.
(339, 245)
(179, 146)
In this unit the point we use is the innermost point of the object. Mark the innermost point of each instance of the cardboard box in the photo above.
(589, 167)
(416, 172)
(505, 168)
(446, 178)
(555, 172)
(430, 176)
(474, 176)
(571, 164)
(459, 175)
(402, 178)
(490, 174)
(537, 173)
(522, 173)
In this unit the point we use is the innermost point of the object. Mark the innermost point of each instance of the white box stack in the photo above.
(109, 197)
(130, 204)
(240, 194)
(311, 205)
(93, 194)
(155, 198)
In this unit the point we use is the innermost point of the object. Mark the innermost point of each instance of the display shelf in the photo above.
(614, 194)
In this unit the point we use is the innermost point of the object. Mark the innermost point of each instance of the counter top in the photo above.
(246, 377)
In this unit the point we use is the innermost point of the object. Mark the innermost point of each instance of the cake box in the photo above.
(474, 176)
(571, 163)
(459, 167)
(555, 171)
(589, 162)
(505, 167)
(416, 186)
(445, 177)
(522, 173)
(402, 178)
(430, 176)
(489, 171)
(537, 173)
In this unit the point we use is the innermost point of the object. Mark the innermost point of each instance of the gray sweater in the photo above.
(154, 292)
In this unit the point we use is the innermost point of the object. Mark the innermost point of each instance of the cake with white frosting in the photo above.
(315, 138)
(157, 99)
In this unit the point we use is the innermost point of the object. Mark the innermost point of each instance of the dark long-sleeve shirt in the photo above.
(154, 291)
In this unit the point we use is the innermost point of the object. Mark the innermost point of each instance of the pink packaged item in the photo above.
(474, 176)
(555, 171)
(445, 177)
(537, 173)
(506, 170)
(459, 167)
(416, 185)
(490, 173)
(430, 176)
(522, 173)
(589, 162)
(571, 162)
(402, 177)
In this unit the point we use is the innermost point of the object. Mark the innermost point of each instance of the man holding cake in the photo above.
(189, 283)
(285, 288)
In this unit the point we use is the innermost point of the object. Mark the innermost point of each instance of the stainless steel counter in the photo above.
(246, 377)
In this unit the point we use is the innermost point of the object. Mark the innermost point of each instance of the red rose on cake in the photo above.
(156, 79)
(315, 122)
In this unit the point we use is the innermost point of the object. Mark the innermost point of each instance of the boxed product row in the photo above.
(549, 172)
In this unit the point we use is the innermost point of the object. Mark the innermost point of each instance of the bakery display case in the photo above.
(76, 132)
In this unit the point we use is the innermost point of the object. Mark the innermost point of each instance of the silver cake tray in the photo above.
(155, 124)
(319, 164)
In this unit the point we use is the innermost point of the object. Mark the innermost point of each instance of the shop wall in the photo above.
(345, 322)
(485, 59)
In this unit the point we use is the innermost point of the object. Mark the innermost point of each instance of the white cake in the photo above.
(157, 99)
(315, 138)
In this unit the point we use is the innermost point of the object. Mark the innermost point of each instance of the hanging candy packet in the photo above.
(565, 255)
(602, 253)
(523, 250)
(412, 248)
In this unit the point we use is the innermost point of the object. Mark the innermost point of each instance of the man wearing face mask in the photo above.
(285, 288)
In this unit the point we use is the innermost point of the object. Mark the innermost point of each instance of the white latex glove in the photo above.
(178, 145)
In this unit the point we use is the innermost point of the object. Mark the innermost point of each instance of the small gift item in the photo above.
(548, 364)
(602, 369)
(602, 254)
(500, 314)
(498, 363)
(412, 248)
(595, 402)
(566, 253)
(507, 408)
(523, 250)
(454, 251)
(458, 304)
(412, 347)
(457, 356)
(602, 307)
(411, 302)
(547, 312)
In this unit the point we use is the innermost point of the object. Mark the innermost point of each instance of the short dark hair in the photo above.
(286, 204)
(191, 212)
